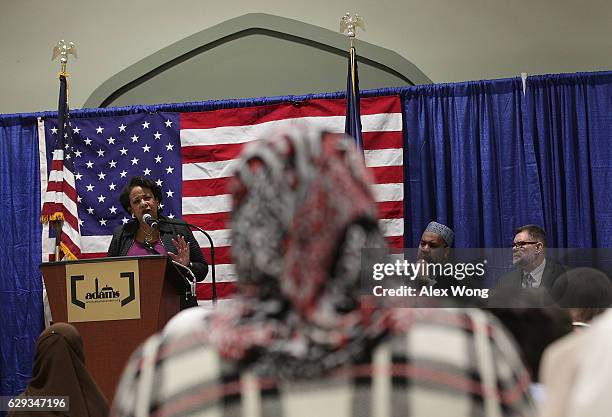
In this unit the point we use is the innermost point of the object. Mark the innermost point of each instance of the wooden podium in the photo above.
(150, 283)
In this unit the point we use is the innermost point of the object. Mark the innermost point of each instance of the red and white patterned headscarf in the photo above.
(302, 212)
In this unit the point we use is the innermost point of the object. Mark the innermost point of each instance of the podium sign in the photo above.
(103, 291)
(99, 295)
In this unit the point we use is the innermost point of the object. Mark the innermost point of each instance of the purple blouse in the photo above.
(137, 249)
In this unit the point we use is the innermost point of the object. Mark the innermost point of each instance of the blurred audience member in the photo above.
(582, 317)
(577, 373)
(59, 370)
(583, 288)
(299, 340)
(534, 329)
(587, 292)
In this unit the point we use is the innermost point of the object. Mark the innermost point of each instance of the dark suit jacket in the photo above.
(514, 278)
(123, 237)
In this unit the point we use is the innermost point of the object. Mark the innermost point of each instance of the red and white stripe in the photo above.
(60, 199)
(211, 142)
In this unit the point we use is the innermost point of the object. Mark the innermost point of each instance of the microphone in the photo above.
(148, 219)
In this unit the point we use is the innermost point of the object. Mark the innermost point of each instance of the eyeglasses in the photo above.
(523, 244)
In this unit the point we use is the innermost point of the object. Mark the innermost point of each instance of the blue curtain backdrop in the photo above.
(568, 119)
(478, 156)
(468, 164)
(20, 245)
(483, 158)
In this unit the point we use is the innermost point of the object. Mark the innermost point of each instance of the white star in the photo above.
(87, 141)
(158, 159)
(101, 176)
(101, 198)
(161, 206)
(111, 140)
(157, 135)
(169, 170)
(122, 127)
(99, 129)
(79, 199)
(90, 187)
(68, 157)
(146, 148)
(171, 216)
(112, 186)
(100, 152)
(90, 210)
(170, 193)
(112, 164)
(146, 172)
(134, 138)
(145, 125)
(66, 146)
(159, 183)
(80, 222)
(77, 153)
(54, 130)
(65, 135)
(169, 147)
(76, 130)
(135, 161)
(168, 123)
(113, 210)
(78, 176)
(123, 151)
(125, 220)
(102, 222)
(89, 164)
(123, 174)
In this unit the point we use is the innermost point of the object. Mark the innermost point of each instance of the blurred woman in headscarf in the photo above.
(297, 339)
(59, 370)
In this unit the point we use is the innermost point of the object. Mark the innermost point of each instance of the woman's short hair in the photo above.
(143, 182)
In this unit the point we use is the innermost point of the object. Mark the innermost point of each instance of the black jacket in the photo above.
(514, 278)
(123, 237)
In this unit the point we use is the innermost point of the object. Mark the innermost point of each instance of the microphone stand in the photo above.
(212, 253)
(191, 282)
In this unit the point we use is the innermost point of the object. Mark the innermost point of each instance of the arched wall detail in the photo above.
(253, 55)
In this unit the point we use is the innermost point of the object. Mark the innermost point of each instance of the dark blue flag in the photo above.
(352, 125)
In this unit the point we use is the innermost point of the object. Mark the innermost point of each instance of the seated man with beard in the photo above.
(447, 281)
(532, 269)
(434, 248)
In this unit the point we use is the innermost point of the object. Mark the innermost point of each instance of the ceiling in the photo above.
(448, 40)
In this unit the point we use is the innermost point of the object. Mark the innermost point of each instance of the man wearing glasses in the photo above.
(532, 269)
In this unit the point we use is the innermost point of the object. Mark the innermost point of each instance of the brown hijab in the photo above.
(59, 370)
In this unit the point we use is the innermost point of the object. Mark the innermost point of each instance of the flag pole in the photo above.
(348, 26)
(62, 49)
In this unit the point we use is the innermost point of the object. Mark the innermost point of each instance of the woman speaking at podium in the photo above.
(148, 232)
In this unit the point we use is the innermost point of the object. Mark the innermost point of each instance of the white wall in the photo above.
(449, 40)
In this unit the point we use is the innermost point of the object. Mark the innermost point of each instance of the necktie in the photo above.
(529, 280)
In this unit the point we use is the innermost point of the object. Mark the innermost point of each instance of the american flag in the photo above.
(60, 199)
(191, 156)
